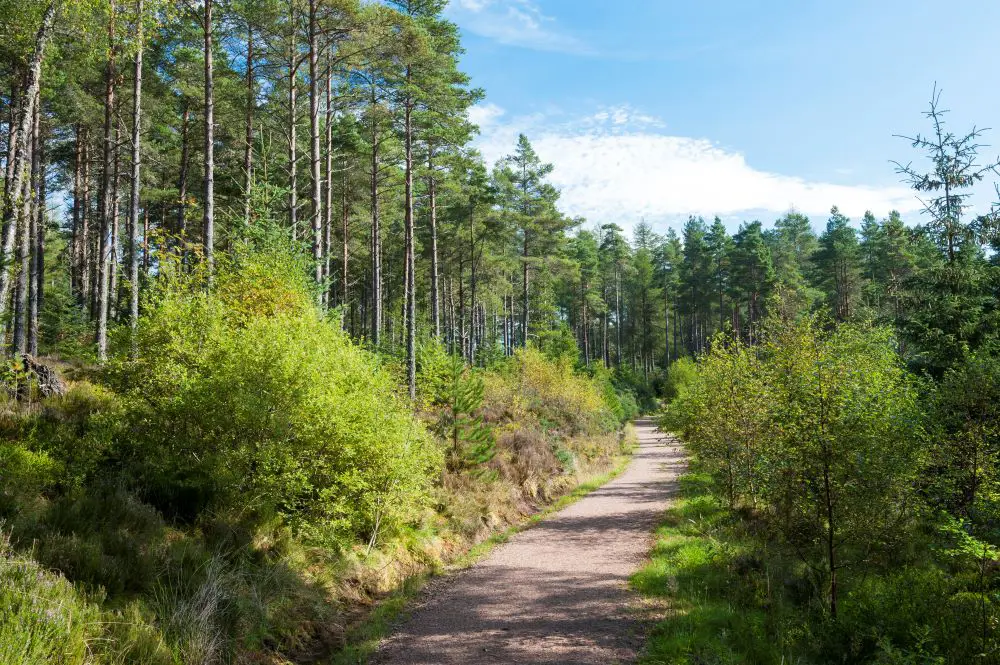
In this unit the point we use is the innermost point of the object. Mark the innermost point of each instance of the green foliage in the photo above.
(818, 431)
(43, 619)
(460, 422)
(246, 399)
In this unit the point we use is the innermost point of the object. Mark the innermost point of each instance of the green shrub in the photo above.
(247, 400)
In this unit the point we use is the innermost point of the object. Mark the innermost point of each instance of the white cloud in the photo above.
(619, 165)
(514, 23)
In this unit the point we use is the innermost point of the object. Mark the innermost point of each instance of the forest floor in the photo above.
(558, 592)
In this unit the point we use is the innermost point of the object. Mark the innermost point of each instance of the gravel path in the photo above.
(556, 593)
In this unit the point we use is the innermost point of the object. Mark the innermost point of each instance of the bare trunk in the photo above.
(376, 246)
(208, 240)
(248, 140)
(411, 308)
(75, 244)
(525, 301)
(133, 222)
(25, 234)
(293, 157)
(328, 203)
(435, 295)
(314, 154)
(37, 285)
(182, 178)
(86, 256)
(107, 192)
(12, 204)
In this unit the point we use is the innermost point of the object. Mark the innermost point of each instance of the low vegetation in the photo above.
(246, 481)
(837, 508)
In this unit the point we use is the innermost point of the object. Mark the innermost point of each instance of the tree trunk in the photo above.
(248, 139)
(411, 307)
(208, 239)
(293, 156)
(435, 295)
(107, 189)
(37, 285)
(113, 296)
(25, 235)
(376, 246)
(328, 207)
(133, 221)
(86, 256)
(314, 154)
(182, 178)
(12, 205)
(74, 245)
(525, 301)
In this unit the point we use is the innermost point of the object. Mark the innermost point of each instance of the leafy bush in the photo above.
(257, 405)
(552, 392)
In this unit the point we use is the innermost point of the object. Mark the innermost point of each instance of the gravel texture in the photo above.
(556, 593)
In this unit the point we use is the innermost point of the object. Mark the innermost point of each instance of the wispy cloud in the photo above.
(515, 23)
(620, 165)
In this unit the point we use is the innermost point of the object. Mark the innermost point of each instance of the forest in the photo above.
(279, 344)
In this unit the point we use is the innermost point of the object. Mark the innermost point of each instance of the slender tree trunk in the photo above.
(208, 239)
(411, 295)
(113, 297)
(345, 216)
(314, 152)
(182, 178)
(376, 245)
(293, 156)
(133, 221)
(12, 204)
(248, 139)
(145, 241)
(328, 207)
(107, 193)
(75, 244)
(25, 234)
(86, 256)
(37, 285)
(618, 317)
(435, 294)
(525, 296)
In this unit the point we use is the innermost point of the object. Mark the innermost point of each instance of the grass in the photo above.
(709, 586)
(364, 638)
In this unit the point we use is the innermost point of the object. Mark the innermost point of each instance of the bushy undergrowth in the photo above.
(245, 478)
(729, 592)
(841, 509)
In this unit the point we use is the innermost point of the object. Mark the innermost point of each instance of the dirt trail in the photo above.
(556, 593)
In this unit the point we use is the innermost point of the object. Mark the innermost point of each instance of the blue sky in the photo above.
(662, 108)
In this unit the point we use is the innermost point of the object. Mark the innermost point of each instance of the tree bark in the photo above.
(37, 285)
(208, 239)
(25, 234)
(107, 187)
(314, 152)
(435, 294)
(182, 178)
(133, 225)
(293, 157)
(328, 182)
(411, 307)
(75, 244)
(248, 140)
(13, 204)
(376, 243)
